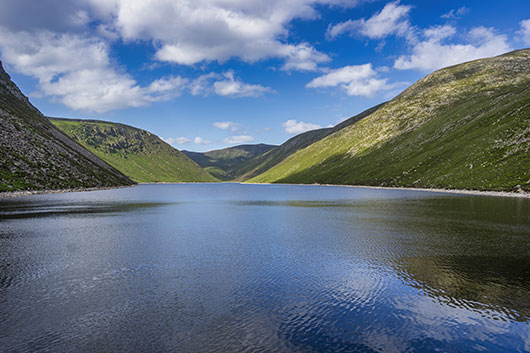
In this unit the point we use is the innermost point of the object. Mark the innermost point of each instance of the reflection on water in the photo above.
(229, 267)
(21, 209)
(497, 287)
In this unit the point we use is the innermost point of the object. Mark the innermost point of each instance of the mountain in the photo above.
(137, 153)
(463, 127)
(243, 162)
(225, 164)
(35, 155)
(267, 160)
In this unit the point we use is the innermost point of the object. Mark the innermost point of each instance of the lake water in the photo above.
(264, 268)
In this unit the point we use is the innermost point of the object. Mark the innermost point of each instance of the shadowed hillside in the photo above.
(226, 163)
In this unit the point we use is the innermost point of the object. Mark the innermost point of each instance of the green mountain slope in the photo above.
(466, 126)
(35, 155)
(266, 161)
(137, 153)
(226, 163)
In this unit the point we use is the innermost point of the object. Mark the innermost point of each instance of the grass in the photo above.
(463, 127)
(228, 163)
(142, 156)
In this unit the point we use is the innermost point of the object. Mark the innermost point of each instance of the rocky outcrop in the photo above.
(35, 155)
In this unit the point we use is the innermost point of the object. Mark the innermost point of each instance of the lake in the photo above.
(264, 268)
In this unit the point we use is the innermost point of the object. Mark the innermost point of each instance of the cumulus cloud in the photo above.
(184, 140)
(297, 127)
(455, 13)
(226, 125)
(302, 57)
(439, 33)
(355, 80)
(239, 139)
(202, 85)
(190, 32)
(433, 52)
(78, 71)
(226, 84)
(65, 45)
(392, 19)
(201, 141)
(177, 140)
(231, 87)
(524, 33)
(53, 15)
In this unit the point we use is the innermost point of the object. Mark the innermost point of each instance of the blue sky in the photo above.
(208, 74)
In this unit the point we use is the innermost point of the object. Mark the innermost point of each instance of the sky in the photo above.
(209, 74)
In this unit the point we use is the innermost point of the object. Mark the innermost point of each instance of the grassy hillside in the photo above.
(226, 163)
(137, 153)
(35, 155)
(464, 127)
(266, 161)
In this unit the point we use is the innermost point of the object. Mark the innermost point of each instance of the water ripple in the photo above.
(218, 268)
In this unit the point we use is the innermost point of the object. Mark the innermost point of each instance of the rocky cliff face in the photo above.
(35, 155)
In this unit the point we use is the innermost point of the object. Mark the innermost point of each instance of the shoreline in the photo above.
(445, 191)
(10, 194)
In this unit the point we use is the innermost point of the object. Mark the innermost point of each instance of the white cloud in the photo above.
(65, 45)
(202, 85)
(432, 53)
(392, 19)
(345, 74)
(184, 140)
(232, 87)
(46, 55)
(302, 57)
(239, 139)
(78, 71)
(54, 15)
(455, 13)
(177, 140)
(226, 125)
(524, 33)
(439, 33)
(226, 85)
(355, 80)
(201, 141)
(297, 127)
(190, 32)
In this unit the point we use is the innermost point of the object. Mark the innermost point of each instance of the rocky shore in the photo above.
(10, 194)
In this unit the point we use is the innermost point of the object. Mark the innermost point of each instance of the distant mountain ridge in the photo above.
(266, 161)
(240, 163)
(462, 127)
(35, 155)
(225, 164)
(137, 153)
